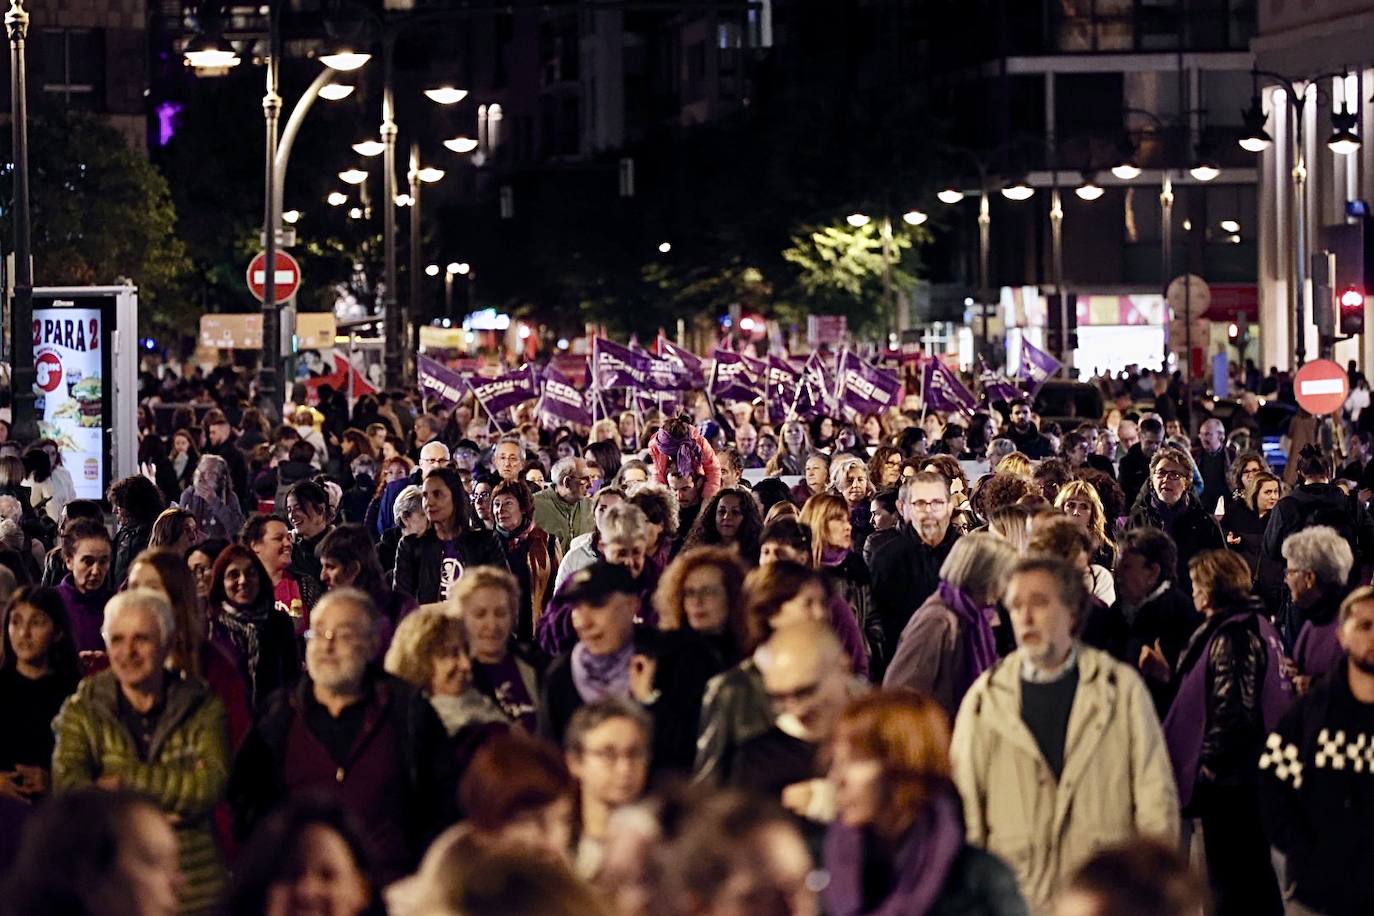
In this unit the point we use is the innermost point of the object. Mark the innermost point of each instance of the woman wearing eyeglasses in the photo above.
(1169, 504)
(608, 749)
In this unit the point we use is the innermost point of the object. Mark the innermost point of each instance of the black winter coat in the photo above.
(1193, 530)
(1317, 503)
(420, 561)
(905, 572)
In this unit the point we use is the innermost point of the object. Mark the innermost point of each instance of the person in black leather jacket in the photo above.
(428, 564)
(1168, 503)
(1225, 781)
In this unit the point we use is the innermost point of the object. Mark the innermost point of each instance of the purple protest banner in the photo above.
(617, 366)
(996, 386)
(665, 375)
(783, 380)
(689, 364)
(561, 402)
(1036, 367)
(504, 391)
(863, 387)
(440, 381)
(731, 379)
(942, 390)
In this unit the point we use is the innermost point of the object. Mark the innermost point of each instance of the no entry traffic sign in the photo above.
(1321, 387)
(287, 277)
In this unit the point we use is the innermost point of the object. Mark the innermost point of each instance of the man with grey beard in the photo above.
(352, 731)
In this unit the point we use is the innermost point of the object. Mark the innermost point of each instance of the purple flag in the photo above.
(783, 380)
(666, 375)
(561, 402)
(996, 386)
(864, 388)
(942, 390)
(815, 390)
(731, 379)
(617, 366)
(441, 381)
(1036, 367)
(503, 391)
(688, 362)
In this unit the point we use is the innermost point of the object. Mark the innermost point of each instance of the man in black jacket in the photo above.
(1316, 772)
(223, 442)
(906, 569)
(1025, 434)
(1135, 464)
(367, 738)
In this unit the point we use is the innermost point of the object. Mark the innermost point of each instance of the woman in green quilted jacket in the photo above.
(143, 728)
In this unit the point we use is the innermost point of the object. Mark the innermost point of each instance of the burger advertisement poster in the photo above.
(69, 391)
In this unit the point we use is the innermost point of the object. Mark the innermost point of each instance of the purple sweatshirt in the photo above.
(87, 613)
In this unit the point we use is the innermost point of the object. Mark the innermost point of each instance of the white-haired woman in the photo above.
(409, 513)
(1317, 567)
(849, 480)
(949, 641)
(211, 499)
(184, 770)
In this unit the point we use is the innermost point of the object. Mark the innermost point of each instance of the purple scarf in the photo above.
(920, 870)
(683, 452)
(833, 556)
(598, 676)
(975, 630)
(1187, 719)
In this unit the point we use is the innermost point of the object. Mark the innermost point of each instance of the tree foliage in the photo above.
(100, 211)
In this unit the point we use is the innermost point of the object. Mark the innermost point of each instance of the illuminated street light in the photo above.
(291, 217)
(858, 220)
(404, 200)
(429, 174)
(1089, 189)
(461, 144)
(209, 53)
(432, 270)
(950, 195)
(345, 59)
(1230, 225)
(446, 95)
(914, 217)
(336, 198)
(665, 247)
(1018, 190)
(353, 176)
(369, 148)
(355, 213)
(333, 92)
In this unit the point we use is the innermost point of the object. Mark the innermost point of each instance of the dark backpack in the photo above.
(1344, 518)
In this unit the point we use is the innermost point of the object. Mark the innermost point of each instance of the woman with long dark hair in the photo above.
(348, 558)
(245, 620)
(39, 669)
(731, 519)
(428, 564)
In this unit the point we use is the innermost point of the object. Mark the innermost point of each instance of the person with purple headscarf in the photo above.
(949, 641)
(679, 448)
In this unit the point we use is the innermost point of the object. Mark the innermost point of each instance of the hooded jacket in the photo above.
(185, 771)
(1314, 503)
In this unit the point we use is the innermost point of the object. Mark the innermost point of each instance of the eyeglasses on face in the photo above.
(1164, 475)
(344, 636)
(928, 505)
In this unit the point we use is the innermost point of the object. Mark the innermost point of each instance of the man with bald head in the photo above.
(350, 730)
(1213, 460)
(807, 676)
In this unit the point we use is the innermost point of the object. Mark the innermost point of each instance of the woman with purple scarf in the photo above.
(1229, 693)
(949, 641)
(896, 846)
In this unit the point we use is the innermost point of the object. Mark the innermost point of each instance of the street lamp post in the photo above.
(413, 313)
(25, 424)
(268, 395)
(1295, 94)
(393, 362)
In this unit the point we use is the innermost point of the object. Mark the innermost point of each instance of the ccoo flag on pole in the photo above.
(1036, 367)
(503, 391)
(560, 402)
(440, 381)
(864, 388)
(996, 386)
(942, 390)
(688, 362)
(617, 366)
(731, 378)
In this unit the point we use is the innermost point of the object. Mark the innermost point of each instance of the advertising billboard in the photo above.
(77, 334)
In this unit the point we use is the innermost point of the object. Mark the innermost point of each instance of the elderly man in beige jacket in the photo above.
(1057, 750)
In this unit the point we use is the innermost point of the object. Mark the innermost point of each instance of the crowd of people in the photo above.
(406, 658)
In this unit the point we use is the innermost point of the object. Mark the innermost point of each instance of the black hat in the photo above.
(595, 584)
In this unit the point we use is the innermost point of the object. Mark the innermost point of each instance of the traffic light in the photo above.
(1352, 310)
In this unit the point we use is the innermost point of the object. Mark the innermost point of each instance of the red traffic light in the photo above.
(1352, 310)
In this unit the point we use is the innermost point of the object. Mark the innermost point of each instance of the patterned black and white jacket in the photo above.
(1317, 793)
